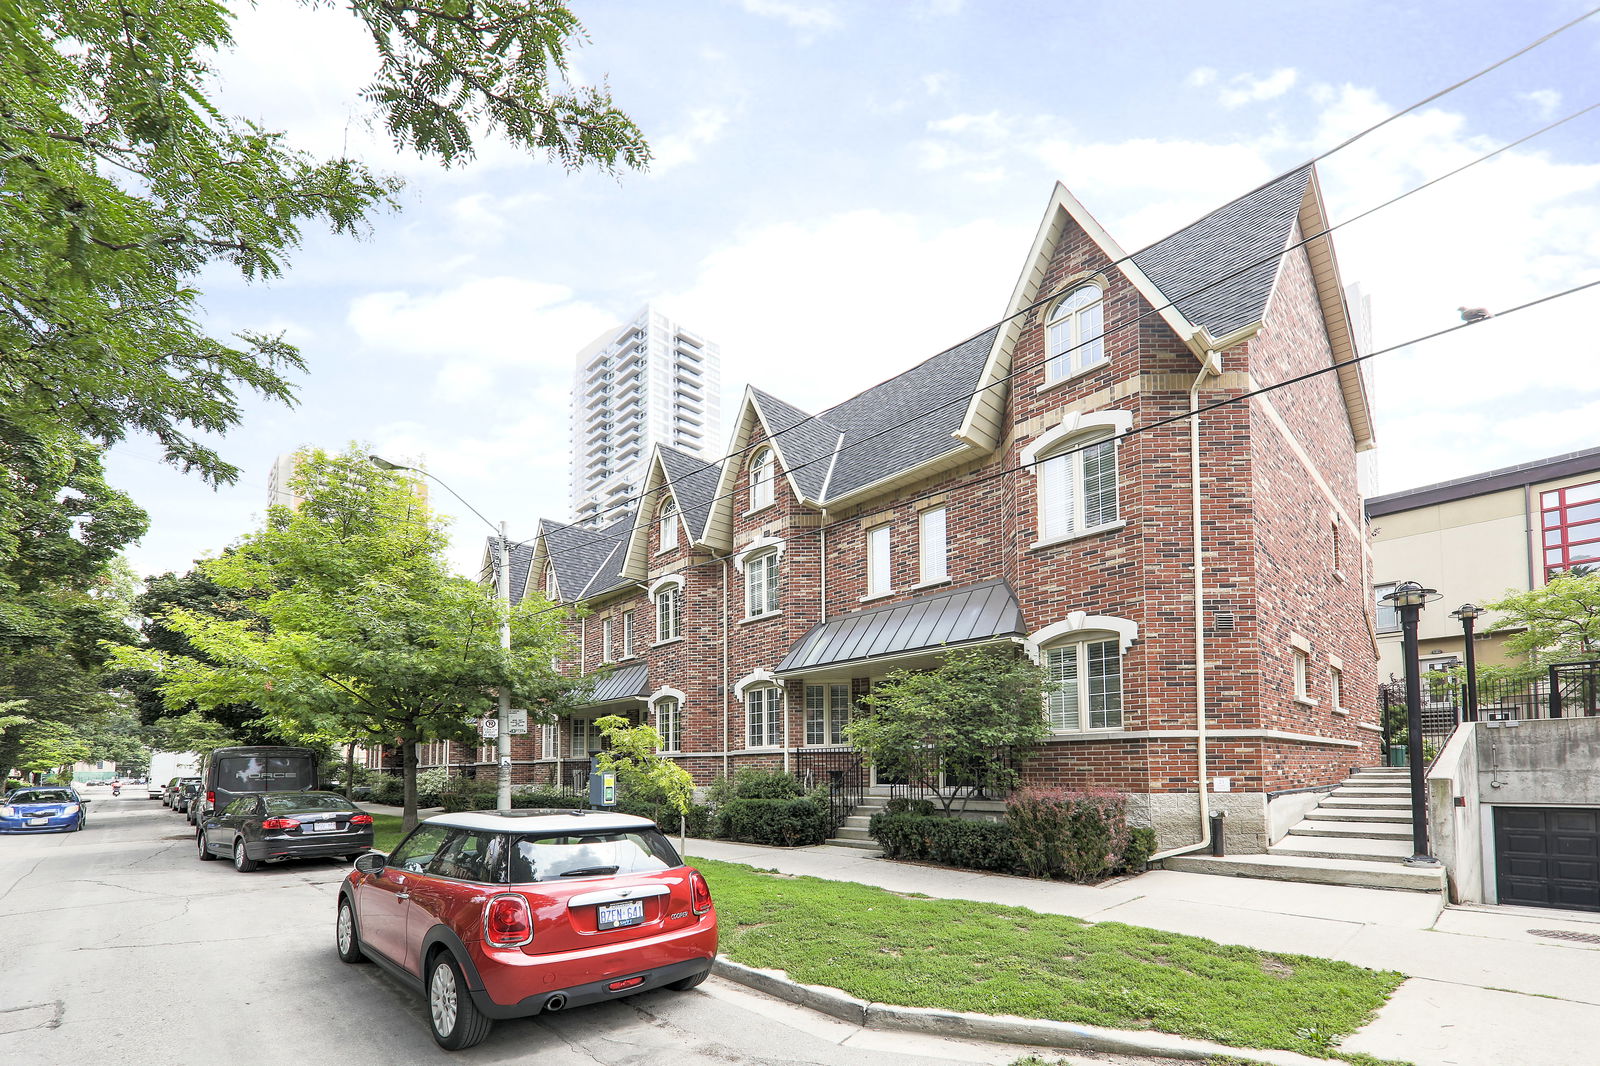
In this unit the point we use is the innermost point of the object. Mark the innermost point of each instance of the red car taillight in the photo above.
(211, 797)
(699, 893)
(361, 819)
(507, 922)
(280, 823)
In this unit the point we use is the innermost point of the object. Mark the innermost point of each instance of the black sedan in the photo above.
(270, 827)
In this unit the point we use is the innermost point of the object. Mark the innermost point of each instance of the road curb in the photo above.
(999, 1029)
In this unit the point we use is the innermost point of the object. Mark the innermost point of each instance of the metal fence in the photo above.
(1566, 690)
(839, 768)
(987, 775)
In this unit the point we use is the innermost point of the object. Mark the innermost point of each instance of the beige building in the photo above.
(1476, 538)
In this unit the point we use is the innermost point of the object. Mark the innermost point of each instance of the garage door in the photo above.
(1548, 856)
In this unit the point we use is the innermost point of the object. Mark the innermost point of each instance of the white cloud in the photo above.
(1543, 101)
(937, 84)
(1246, 89)
(800, 16)
(477, 326)
(1200, 77)
(818, 309)
(705, 126)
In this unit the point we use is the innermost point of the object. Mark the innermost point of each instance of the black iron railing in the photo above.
(990, 774)
(1567, 690)
(839, 768)
(573, 774)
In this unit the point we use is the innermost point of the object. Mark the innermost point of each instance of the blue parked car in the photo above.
(42, 809)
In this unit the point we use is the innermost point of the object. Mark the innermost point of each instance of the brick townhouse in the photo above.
(1038, 486)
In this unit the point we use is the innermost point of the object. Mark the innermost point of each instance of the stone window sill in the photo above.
(877, 596)
(664, 643)
(760, 617)
(1070, 378)
(1109, 527)
(931, 584)
(1305, 701)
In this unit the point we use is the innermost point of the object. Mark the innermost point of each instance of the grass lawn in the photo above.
(989, 959)
(385, 832)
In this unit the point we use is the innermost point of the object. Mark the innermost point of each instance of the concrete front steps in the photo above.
(853, 833)
(1359, 835)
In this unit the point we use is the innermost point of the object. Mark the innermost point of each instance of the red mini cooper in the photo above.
(507, 914)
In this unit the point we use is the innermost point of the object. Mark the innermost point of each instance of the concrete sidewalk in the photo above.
(1483, 990)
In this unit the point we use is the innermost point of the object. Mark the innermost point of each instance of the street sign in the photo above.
(489, 727)
(516, 722)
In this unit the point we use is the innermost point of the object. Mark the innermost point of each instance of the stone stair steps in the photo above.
(862, 845)
(1377, 791)
(1369, 803)
(1362, 830)
(1357, 873)
(1359, 850)
(1364, 815)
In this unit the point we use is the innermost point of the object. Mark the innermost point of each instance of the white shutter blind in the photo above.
(933, 545)
(878, 561)
(1055, 497)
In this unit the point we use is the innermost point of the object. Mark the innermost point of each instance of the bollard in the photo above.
(1218, 821)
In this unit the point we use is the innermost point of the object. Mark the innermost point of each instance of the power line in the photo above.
(966, 397)
(1171, 419)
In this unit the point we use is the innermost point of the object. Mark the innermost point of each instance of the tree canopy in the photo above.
(122, 183)
(1557, 623)
(357, 629)
(968, 723)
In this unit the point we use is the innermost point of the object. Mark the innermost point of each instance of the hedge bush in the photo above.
(549, 796)
(1073, 836)
(754, 784)
(1141, 845)
(388, 789)
(946, 841)
(789, 823)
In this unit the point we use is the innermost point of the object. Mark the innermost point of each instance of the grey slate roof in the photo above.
(954, 616)
(627, 682)
(1254, 227)
(521, 557)
(694, 484)
(614, 539)
(939, 385)
(805, 443)
(577, 552)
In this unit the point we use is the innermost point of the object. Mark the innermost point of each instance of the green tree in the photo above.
(40, 747)
(357, 629)
(1557, 623)
(118, 738)
(966, 723)
(124, 185)
(635, 756)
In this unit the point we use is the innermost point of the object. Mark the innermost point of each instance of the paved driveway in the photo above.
(118, 942)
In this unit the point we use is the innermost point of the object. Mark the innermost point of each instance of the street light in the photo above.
(1469, 613)
(502, 742)
(1408, 598)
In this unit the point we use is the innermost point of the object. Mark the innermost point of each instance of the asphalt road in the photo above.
(118, 945)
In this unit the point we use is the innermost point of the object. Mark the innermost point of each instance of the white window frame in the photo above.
(666, 598)
(933, 545)
(1070, 348)
(667, 525)
(1081, 651)
(763, 479)
(761, 587)
(627, 634)
(828, 710)
(581, 728)
(1300, 658)
(605, 640)
(1082, 629)
(552, 587)
(1378, 607)
(1336, 689)
(1055, 453)
(763, 707)
(666, 706)
(880, 561)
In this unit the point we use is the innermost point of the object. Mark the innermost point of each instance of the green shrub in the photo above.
(388, 789)
(1078, 836)
(1141, 845)
(548, 796)
(788, 823)
(755, 784)
(905, 805)
(946, 841)
(666, 816)
(468, 794)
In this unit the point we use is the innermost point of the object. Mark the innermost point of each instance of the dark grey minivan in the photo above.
(234, 772)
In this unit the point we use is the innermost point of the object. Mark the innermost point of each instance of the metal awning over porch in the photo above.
(972, 614)
(627, 683)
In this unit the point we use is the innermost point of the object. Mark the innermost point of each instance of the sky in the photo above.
(843, 188)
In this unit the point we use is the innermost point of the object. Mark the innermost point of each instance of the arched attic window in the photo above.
(1074, 333)
(763, 479)
(552, 588)
(667, 525)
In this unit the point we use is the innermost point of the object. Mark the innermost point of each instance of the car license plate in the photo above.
(324, 827)
(617, 915)
(37, 821)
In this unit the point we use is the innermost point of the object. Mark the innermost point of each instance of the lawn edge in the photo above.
(1033, 1032)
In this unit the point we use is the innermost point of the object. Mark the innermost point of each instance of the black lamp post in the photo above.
(1408, 598)
(1470, 613)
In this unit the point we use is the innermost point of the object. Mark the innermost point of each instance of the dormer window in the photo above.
(552, 590)
(667, 525)
(1074, 334)
(763, 477)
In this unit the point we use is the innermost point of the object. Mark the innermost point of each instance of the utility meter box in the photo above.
(602, 788)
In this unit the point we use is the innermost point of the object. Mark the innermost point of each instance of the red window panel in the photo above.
(1570, 523)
